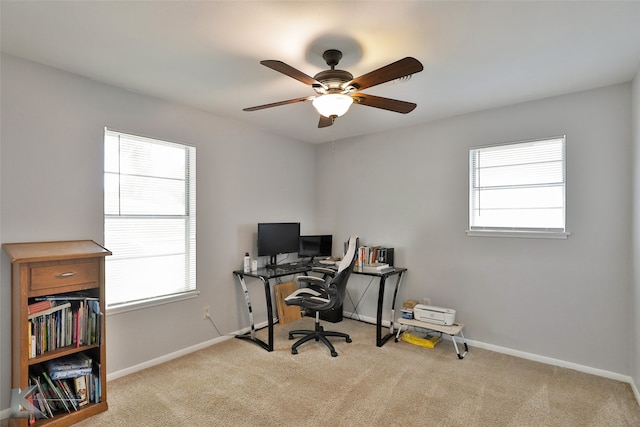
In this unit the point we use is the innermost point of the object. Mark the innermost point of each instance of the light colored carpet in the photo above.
(236, 383)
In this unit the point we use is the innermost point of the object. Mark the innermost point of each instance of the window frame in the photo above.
(189, 237)
(516, 231)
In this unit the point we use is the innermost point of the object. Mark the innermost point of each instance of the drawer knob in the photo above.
(69, 274)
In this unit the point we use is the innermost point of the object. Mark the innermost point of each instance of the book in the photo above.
(71, 366)
(57, 393)
(32, 340)
(49, 311)
(376, 268)
(80, 384)
(40, 306)
(96, 379)
(41, 397)
(68, 394)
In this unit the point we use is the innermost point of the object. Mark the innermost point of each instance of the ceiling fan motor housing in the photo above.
(333, 79)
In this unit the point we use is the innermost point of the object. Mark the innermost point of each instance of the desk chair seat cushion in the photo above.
(307, 296)
(316, 297)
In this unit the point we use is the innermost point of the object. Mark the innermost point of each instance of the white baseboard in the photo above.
(555, 362)
(529, 356)
(635, 391)
(162, 359)
(176, 354)
(5, 413)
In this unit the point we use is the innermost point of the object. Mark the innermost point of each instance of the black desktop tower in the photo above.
(334, 315)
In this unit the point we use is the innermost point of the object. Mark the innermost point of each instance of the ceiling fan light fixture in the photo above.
(332, 104)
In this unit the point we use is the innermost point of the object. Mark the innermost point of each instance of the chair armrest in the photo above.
(324, 270)
(312, 280)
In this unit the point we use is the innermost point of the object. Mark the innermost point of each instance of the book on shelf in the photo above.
(94, 385)
(71, 366)
(50, 310)
(39, 306)
(41, 399)
(70, 396)
(80, 384)
(69, 323)
(57, 393)
(64, 395)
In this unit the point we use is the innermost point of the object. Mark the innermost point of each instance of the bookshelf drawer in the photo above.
(66, 274)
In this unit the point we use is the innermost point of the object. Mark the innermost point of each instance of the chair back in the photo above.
(338, 285)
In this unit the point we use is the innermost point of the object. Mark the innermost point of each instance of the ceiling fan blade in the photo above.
(403, 107)
(288, 70)
(277, 104)
(395, 70)
(325, 122)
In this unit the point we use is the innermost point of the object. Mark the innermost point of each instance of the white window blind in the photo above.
(149, 218)
(518, 187)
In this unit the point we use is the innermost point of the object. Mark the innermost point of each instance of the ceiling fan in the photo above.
(336, 90)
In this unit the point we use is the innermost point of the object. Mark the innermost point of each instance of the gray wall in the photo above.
(409, 189)
(51, 175)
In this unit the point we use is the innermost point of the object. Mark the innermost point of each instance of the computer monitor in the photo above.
(315, 246)
(276, 238)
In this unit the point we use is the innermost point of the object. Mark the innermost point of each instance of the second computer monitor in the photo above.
(315, 246)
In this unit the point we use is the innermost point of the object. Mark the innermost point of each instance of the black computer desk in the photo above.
(265, 275)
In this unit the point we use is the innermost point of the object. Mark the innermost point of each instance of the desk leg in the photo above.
(380, 340)
(267, 294)
(251, 335)
(393, 303)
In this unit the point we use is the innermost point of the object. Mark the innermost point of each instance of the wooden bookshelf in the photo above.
(72, 269)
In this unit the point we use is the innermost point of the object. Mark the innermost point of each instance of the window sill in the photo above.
(151, 302)
(519, 234)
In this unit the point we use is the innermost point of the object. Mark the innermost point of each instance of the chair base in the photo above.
(318, 334)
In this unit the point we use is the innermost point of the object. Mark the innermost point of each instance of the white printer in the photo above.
(432, 314)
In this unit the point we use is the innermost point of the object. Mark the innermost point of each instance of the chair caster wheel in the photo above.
(290, 336)
(294, 351)
(334, 354)
(349, 340)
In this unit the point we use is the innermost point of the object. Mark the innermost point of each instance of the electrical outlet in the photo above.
(205, 314)
(426, 301)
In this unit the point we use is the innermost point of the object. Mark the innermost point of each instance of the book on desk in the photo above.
(374, 268)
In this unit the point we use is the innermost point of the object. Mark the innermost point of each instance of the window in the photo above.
(149, 219)
(518, 189)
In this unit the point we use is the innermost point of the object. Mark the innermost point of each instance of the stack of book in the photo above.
(65, 384)
(375, 255)
(56, 323)
(374, 268)
(374, 259)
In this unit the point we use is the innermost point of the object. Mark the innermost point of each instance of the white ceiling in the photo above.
(206, 54)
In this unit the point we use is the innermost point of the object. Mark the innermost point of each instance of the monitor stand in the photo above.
(273, 262)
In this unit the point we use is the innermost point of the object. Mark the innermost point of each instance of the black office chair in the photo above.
(323, 294)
